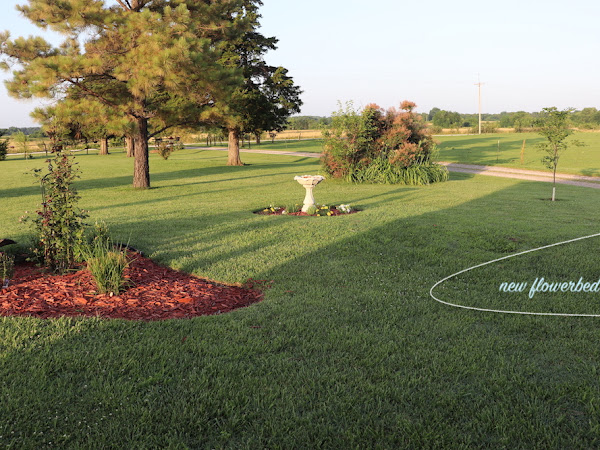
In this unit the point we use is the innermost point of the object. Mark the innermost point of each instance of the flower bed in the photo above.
(316, 210)
(154, 293)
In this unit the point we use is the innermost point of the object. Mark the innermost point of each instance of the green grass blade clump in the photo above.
(381, 171)
(106, 265)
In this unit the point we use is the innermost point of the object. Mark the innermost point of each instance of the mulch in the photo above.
(154, 293)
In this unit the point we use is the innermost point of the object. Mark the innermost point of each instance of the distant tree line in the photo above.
(308, 122)
(33, 132)
(587, 118)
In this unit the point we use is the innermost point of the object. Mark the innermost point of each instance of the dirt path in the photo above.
(523, 174)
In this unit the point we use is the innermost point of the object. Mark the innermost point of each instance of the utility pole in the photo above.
(478, 84)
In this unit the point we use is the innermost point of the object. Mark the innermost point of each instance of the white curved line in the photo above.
(500, 259)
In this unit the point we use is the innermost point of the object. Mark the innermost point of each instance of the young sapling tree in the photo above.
(555, 128)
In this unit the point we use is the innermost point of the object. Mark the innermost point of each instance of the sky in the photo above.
(528, 54)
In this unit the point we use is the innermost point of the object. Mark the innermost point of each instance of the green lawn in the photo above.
(304, 145)
(484, 150)
(470, 149)
(347, 350)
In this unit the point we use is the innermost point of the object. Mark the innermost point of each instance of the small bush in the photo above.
(165, 148)
(488, 128)
(312, 210)
(59, 222)
(3, 149)
(381, 146)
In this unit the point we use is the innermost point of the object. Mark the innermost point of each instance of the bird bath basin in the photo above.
(309, 182)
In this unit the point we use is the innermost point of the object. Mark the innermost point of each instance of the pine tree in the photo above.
(267, 97)
(144, 60)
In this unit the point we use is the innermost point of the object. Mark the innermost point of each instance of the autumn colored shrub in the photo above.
(381, 146)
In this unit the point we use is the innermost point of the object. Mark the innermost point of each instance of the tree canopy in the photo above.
(144, 61)
(266, 97)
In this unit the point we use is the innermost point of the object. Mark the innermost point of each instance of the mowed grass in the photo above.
(484, 150)
(347, 350)
(292, 145)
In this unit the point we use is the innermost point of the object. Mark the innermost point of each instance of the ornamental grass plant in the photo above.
(106, 264)
(7, 267)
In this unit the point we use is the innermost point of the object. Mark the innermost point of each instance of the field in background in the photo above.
(282, 135)
(34, 145)
(500, 149)
(505, 150)
(37, 145)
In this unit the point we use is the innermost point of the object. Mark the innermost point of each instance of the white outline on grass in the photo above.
(500, 259)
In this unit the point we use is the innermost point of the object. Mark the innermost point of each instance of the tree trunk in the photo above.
(103, 146)
(129, 146)
(233, 150)
(257, 135)
(141, 167)
(554, 183)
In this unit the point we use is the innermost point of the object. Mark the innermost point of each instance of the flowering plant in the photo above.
(314, 210)
(272, 209)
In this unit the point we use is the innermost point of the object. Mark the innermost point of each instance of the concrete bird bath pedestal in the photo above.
(309, 182)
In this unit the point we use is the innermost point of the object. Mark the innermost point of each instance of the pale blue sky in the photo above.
(529, 54)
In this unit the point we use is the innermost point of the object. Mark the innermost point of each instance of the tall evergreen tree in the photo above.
(145, 60)
(267, 96)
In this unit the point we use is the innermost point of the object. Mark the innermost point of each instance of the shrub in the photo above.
(3, 149)
(165, 148)
(351, 140)
(311, 210)
(59, 222)
(487, 128)
(381, 146)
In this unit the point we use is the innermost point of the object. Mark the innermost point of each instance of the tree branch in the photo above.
(125, 5)
(92, 93)
(165, 128)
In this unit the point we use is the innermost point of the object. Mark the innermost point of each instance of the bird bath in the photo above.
(309, 182)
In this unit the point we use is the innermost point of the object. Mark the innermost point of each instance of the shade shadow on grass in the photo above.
(347, 349)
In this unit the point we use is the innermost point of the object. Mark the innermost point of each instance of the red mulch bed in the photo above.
(155, 293)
